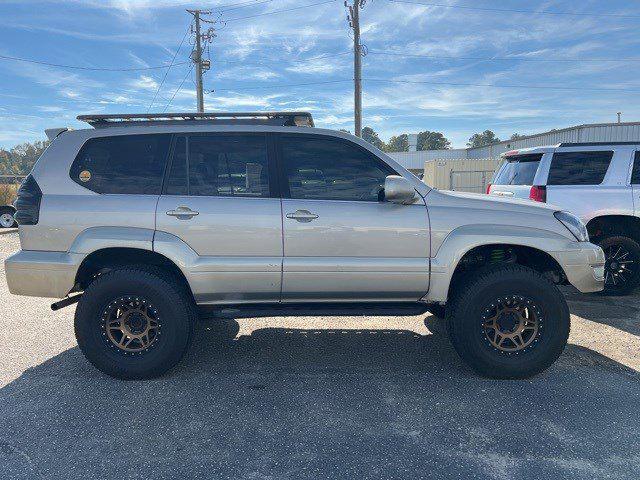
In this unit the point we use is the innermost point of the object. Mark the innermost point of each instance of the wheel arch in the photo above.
(605, 225)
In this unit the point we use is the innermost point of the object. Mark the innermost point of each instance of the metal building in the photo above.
(454, 160)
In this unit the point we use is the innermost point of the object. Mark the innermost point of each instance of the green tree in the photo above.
(370, 135)
(481, 139)
(516, 136)
(398, 143)
(432, 141)
(20, 159)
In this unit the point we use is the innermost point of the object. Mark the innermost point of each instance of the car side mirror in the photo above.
(398, 189)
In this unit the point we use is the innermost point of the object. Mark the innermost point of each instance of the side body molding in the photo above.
(463, 239)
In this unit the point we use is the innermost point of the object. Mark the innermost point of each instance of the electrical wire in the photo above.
(98, 69)
(262, 87)
(524, 59)
(512, 10)
(273, 12)
(169, 68)
(177, 90)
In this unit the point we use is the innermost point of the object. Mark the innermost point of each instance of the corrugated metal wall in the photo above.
(605, 132)
(466, 175)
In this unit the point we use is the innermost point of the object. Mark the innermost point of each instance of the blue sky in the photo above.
(438, 64)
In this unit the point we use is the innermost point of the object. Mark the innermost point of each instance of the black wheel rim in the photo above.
(512, 324)
(620, 266)
(131, 325)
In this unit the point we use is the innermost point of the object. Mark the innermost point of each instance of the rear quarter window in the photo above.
(124, 164)
(518, 170)
(579, 168)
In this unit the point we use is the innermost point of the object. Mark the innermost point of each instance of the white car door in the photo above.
(341, 242)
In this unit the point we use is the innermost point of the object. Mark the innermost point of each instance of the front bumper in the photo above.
(42, 274)
(583, 266)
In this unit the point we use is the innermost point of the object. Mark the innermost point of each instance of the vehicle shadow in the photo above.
(620, 312)
(313, 403)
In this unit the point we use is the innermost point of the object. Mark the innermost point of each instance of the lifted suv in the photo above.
(600, 183)
(151, 220)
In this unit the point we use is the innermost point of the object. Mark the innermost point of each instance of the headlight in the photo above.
(574, 225)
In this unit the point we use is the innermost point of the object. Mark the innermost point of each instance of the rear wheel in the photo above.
(133, 323)
(622, 264)
(7, 219)
(508, 322)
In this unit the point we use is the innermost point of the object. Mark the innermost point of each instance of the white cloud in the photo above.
(144, 82)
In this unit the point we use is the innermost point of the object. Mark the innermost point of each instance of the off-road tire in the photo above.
(439, 311)
(474, 295)
(175, 307)
(631, 246)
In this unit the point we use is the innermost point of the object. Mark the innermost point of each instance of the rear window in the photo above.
(126, 164)
(518, 170)
(579, 168)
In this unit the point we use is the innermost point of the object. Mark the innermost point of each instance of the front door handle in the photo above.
(183, 213)
(304, 216)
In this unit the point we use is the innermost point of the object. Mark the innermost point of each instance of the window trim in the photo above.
(167, 159)
(271, 169)
(282, 176)
(611, 159)
(635, 163)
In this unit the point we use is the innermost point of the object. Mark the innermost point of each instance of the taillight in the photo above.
(488, 189)
(28, 202)
(538, 193)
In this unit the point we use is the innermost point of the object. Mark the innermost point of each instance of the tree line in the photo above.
(19, 160)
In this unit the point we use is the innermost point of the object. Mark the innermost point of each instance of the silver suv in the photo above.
(598, 182)
(150, 221)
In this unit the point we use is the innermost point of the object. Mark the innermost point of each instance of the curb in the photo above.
(7, 231)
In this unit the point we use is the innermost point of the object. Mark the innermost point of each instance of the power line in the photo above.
(511, 10)
(167, 70)
(177, 89)
(284, 10)
(239, 5)
(524, 59)
(416, 82)
(99, 69)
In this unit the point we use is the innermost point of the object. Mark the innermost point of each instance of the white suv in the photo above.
(147, 220)
(599, 182)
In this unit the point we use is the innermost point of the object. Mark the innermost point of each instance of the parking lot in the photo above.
(319, 398)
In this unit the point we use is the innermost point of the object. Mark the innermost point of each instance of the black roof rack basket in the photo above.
(290, 119)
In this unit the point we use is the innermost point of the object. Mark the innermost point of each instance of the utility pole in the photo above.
(196, 54)
(619, 117)
(353, 17)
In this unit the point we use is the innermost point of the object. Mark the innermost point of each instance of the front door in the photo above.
(219, 198)
(341, 241)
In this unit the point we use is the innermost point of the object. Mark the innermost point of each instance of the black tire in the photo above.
(8, 211)
(172, 307)
(439, 311)
(617, 281)
(468, 310)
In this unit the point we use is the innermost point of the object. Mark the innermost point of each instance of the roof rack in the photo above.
(595, 144)
(289, 119)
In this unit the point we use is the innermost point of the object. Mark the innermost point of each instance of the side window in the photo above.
(635, 175)
(579, 168)
(129, 164)
(331, 169)
(219, 165)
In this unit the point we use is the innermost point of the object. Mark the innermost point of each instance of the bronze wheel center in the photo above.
(131, 324)
(511, 324)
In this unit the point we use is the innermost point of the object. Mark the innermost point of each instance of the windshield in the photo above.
(518, 170)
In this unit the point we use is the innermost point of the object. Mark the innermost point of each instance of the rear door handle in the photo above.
(302, 216)
(183, 213)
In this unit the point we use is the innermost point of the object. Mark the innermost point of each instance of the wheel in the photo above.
(622, 267)
(7, 219)
(437, 310)
(134, 323)
(508, 322)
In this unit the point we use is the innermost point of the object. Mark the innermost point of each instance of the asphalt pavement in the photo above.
(321, 397)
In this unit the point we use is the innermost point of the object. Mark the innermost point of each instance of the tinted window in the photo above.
(518, 170)
(219, 165)
(635, 176)
(132, 164)
(318, 168)
(579, 168)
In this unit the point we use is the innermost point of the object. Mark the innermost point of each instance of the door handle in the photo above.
(302, 216)
(183, 213)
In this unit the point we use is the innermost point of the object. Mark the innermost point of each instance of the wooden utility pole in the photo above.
(196, 55)
(354, 22)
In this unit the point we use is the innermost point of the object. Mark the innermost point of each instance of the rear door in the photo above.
(221, 199)
(590, 181)
(341, 242)
(516, 176)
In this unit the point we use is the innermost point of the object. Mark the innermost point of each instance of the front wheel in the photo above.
(134, 323)
(622, 264)
(508, 322)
